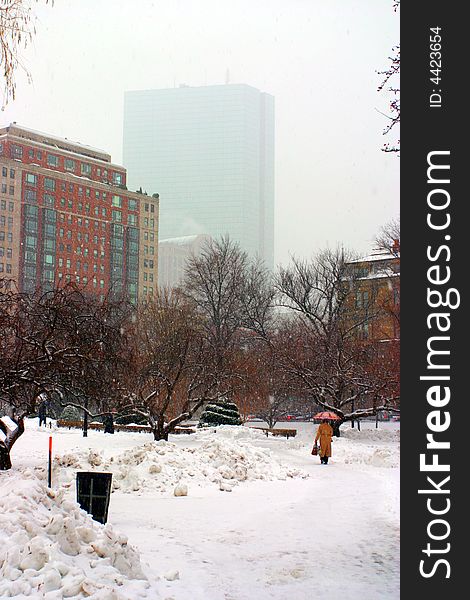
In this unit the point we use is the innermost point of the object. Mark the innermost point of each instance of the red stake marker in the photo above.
(49, 475)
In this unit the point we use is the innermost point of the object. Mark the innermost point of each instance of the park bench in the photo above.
(276, 432)
(117, 427)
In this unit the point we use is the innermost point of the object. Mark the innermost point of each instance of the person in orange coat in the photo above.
(324, 434)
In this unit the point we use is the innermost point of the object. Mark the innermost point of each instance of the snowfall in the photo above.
(222, 514)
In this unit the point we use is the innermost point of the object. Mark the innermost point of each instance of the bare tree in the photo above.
(16, 30)
(171, 374)
(322, 349)
(54, 342)
(388, 237)
(231, 294)
(390, 84)
(262, 390)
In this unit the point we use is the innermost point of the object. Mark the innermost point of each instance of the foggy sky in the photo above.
(318, 58)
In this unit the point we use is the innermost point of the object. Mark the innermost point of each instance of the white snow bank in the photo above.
(371, 435)
(230, 432)
(52, 549)
(161, 466)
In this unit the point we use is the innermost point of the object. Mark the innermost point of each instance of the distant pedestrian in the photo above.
(42, 413)
(108, 422)
(324, 434)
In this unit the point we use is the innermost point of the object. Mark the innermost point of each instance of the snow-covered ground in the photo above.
(261, 518)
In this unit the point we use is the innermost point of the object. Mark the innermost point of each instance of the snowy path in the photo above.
(331, 536)
(326, 537)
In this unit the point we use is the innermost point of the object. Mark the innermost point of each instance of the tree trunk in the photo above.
(159, 434)
(5, 460)
(336, 425)
(158, 430)
(85, 423)
(7, 444)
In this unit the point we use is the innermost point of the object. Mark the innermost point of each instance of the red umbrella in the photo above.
(327, 415)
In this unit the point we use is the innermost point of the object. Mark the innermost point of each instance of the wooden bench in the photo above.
(117, 427)
(276, 432)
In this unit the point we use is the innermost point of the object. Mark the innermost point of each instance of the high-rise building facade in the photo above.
(173, 255)
(211, 151)
(66, 215)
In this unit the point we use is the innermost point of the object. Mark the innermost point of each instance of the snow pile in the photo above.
(231, 432)
(375, 457)
(371, 435)
(161, 466)
(52, 549)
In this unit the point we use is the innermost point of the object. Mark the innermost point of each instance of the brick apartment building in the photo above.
(377, 292)
(66, 215)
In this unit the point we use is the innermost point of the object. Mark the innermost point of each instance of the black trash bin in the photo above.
(93, 493)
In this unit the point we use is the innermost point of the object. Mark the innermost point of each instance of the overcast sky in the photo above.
(317, 57)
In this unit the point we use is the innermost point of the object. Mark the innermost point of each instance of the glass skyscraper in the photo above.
(209, 152)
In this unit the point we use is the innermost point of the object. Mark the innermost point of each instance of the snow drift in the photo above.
(221, 458)
(52, 549)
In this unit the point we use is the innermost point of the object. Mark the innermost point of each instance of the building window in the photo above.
(132, 204)
(52, 160)
(30, 195)
(4, 188)
(49, 183)
(31, 241)
(117, 201)
(362, 299)
(116, 216)
(31, 179)
(117, 178)
(12, 173)
(49, 200)
(69, 164)
(85, 169)
(132, 219)
(16, 151)
(11, 190)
